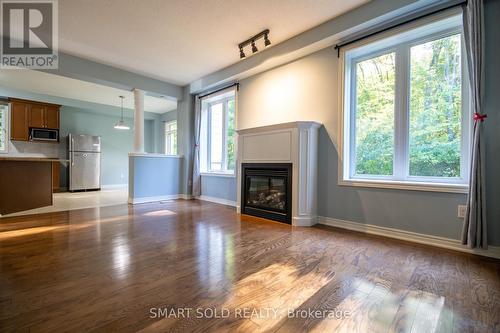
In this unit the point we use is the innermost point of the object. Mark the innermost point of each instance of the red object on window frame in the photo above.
(479, 117)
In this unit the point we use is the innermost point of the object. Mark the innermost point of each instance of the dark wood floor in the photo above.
(111, 269)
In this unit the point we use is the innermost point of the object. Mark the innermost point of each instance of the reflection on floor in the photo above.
(78, 200)
(194, 266)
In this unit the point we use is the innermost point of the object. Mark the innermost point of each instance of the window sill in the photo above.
(218, 174)
(405, 185)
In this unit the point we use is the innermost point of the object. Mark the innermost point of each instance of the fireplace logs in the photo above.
(274, 199)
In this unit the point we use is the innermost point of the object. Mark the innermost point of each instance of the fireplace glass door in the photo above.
(267, 190)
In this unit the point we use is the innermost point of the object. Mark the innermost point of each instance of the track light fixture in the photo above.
(267, 42)
(254, 48)
(251, 41)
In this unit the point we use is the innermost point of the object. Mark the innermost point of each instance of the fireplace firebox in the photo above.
(267, 190)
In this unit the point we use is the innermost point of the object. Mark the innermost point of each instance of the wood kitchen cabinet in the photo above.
(26, 114)
(52, 116)
(19, 121)
(37, 115)
(44, 116)
(55, 176)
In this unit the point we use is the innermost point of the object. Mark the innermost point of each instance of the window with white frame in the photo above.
(217, 144)
(406, 113)
(4, 127)
(171, 137)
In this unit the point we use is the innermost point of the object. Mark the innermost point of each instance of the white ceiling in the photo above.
(60, 86)
(180, 41)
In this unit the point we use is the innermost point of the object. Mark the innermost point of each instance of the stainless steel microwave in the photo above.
(44, 134)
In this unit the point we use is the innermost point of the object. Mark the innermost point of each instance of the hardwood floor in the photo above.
(118, 268)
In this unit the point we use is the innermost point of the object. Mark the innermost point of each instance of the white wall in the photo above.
(305, 89)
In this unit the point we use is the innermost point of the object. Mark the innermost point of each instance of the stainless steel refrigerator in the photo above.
(85, 162)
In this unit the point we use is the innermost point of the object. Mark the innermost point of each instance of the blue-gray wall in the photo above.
(168, 116)
(154, 176)
(185, 139)
(95, 72)
(220, 187)
(492, 124)
(149, 136)
(423, 212)
(116, 144)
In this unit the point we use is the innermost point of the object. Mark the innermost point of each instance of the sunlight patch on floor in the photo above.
(373, 307)
(27, 231)
(162, 212)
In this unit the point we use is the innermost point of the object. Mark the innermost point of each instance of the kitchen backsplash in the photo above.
(35, 149)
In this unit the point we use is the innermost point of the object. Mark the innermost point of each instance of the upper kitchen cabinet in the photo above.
(26, 114)
(19, 121)
(44, 115)
(52, 116)
(37, 115)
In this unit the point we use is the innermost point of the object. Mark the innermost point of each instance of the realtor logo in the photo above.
(29, 34)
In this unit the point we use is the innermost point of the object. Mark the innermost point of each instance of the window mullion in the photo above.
(401, 113)
(224, 135)
(167, 144)
(209, 137)
(352, 122)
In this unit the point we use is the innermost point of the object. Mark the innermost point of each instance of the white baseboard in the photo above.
(135, 201)
(447, 243)
(304, 221)
(113, 186)
(217, 200)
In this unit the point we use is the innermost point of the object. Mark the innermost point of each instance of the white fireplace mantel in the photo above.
(293, 142)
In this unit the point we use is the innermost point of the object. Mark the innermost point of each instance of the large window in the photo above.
(4, 127)
(171, 137)
(217, 148)
(406, 115)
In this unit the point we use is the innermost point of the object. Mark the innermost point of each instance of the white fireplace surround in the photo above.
(293, 142)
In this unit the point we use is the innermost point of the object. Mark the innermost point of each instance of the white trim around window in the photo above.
(171, 137)
(5, 126)
(399, 42)
(227, 166)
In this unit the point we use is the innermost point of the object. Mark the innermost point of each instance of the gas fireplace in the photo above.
(267, 190)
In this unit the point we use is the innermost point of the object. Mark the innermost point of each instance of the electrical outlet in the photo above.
(461, 211)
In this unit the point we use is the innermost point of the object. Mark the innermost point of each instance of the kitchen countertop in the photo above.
(32, 159)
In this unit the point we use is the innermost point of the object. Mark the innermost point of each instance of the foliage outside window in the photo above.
(217, 148)
(4, 140)
(171, 138)
(405, 112)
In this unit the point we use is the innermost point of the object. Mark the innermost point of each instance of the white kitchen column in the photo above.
(139, 121)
